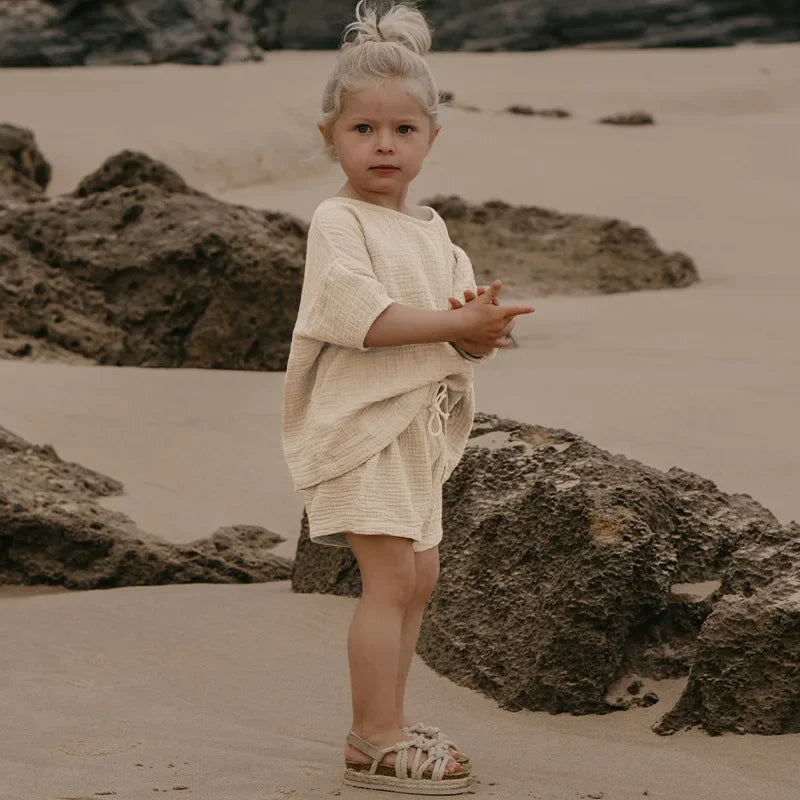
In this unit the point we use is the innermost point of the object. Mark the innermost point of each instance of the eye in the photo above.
(362, 125)
(410, 127)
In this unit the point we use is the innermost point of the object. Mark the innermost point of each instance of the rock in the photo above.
(522, 25)
(131, 168)
(53, 531)
(40, 33)
(546, 252)
(558, 113)
(24, 171)
(558, 562)
(137, 269)
(629, 118)
(749, 647)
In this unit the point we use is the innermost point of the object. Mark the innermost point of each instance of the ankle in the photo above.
(376, 732)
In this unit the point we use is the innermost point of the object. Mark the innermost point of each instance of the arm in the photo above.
(400, 324)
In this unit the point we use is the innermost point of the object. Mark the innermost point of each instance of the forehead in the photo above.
(387, 100)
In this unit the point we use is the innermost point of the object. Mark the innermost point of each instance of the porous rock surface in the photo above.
(37, 33)
(547, 252)
(564, 570)
(24, 171)
(53, 531)
(135, 268)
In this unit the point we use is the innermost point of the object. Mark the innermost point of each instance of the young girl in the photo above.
(378, 397)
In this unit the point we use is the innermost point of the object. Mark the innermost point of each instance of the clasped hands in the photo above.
(485, 327)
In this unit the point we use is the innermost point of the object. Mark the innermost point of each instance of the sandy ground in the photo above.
(231, 689)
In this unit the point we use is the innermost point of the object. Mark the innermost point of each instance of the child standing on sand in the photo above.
(378, 397)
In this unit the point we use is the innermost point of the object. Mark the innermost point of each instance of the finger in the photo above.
(454, 303)
(512, 311)
(494, 289)
(482, 289)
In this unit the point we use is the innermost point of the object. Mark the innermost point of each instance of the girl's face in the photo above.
(378, 126)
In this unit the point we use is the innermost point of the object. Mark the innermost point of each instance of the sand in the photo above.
(226, 682)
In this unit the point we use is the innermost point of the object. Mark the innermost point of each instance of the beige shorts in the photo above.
(398, 491)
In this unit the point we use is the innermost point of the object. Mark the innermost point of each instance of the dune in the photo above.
(226, 682)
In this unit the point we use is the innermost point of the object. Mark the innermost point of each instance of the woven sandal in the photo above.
(420, 777)
(432, 732)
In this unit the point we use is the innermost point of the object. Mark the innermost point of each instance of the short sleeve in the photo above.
(341, 295)
(463, 279)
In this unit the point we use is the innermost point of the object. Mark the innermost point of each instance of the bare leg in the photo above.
(427, 571)
(388, 577)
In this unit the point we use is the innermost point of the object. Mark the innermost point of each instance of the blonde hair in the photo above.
(388, 44)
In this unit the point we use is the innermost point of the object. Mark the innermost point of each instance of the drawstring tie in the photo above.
(438, 414)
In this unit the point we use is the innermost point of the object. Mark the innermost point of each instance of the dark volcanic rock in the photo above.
(24, 171)
(57, 33)
(37, 33)
(143, 271)
(52, 531)
(629, 118)
(749, 647)
(131, 168)
(558, 566)
(556, 113)
(546, 252)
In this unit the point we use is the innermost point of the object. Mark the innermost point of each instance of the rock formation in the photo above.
(53, 531)
(43, 33)
(546, 252)
(564, 570)
(24, 171)
(136, 269)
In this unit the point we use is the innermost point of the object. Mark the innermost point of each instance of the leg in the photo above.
(388, 578)
(427, 574)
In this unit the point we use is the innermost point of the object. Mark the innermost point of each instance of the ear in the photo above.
(328, 139)
(434, 134)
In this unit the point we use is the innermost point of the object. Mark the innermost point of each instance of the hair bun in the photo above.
(401, 23)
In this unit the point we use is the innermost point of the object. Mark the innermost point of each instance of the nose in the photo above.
(384, 144)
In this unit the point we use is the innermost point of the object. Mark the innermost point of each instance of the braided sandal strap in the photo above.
(437, 754)
(432, 732)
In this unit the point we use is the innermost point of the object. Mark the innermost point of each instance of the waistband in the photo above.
(437, 407)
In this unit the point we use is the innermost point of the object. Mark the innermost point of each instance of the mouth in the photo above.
(383, 167)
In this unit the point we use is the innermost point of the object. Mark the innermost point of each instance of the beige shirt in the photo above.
(344, 402)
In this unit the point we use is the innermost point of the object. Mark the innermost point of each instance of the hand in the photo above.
(467, 344)
(486, 327)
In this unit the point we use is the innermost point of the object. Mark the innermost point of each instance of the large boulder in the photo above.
(137, 269)
(547, 252)
(24, 171)
(565, 569)
(53, 531)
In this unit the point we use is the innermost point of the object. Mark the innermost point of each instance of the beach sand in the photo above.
(226, 682)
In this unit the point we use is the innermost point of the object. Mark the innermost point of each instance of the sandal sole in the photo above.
(387, 783)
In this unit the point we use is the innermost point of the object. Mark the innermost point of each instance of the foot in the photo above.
(387, 739)
(453, 752)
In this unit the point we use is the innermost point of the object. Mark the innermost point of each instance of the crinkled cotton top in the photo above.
(344, 402)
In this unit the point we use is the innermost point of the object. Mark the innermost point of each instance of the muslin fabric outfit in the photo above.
(370, 434)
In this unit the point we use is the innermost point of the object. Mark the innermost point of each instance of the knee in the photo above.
(386, 563)
(394, 586)
(426, 579)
